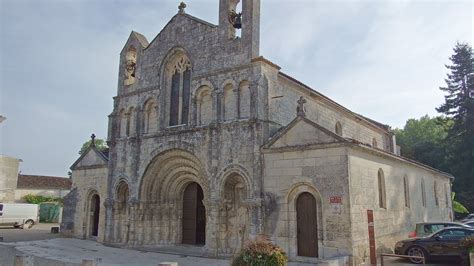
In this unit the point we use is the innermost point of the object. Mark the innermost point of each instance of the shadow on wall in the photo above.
(271, 212)
(69, 210)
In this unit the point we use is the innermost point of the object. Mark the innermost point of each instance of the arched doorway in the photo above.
(307, 225)
(194, 215)
(94, 211)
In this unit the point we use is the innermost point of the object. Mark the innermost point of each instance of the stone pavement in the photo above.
(70, 251)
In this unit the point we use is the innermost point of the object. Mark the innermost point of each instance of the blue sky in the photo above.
(59, 61)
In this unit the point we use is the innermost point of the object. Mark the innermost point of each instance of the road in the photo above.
(37, 232)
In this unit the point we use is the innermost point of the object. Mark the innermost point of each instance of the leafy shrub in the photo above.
(260, 252)
(468, 242)
(37, 199)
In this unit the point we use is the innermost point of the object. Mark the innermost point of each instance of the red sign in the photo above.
(335, 199)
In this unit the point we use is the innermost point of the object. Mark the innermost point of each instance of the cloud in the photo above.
(59, 61)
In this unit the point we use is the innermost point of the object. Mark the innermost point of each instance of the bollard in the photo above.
(23, 260)
(168, 264)
(91, 262)
(55, 230)
(1, 238)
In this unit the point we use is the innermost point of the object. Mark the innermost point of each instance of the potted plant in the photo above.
(260, 252)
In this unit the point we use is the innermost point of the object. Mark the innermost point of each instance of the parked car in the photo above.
(426, 229)
(470, 223)
(19, 214)
(469, 217)
(444, 244)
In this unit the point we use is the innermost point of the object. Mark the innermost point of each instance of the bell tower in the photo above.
(248, 21)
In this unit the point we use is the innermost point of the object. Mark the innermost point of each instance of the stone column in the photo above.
(254, 95)
(132, 226)
(109, 227)
(236, 103)
(213, 226)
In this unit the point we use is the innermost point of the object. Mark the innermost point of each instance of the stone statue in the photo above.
(130, 66)
(236, 219)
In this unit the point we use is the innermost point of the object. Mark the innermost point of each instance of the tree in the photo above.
(457, 206)
(423, 140)
(100, 144)
(459, 107)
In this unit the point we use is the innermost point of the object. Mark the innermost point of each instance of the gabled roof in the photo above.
(187, 16)
(96, 158)
(329, 100)
(141, 39)
(42, 182)
(302, 131)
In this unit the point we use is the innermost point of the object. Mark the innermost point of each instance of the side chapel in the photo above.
(211, 144)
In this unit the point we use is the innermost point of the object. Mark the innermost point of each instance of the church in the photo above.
(212, 145)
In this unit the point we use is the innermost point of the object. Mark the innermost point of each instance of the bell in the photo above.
(238, 21)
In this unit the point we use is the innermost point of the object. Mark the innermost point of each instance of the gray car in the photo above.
(428, 228)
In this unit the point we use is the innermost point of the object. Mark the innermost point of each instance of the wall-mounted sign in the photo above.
(335, 202)
(335, 199)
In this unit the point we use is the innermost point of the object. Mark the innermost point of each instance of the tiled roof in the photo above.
(39, 181)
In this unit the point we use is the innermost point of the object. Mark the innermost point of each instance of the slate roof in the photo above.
(40, 182)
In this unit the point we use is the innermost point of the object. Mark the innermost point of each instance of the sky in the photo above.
(59, 61)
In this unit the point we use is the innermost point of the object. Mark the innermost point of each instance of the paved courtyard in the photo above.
(52, 250)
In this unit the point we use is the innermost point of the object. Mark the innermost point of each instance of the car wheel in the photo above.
(417, 252)
(28, 224)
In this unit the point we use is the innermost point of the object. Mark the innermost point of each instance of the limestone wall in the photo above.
(321, 172)
(85, 183)
(395, 221)
(8, 178)
(283, 97)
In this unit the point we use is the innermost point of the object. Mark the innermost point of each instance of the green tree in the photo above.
(423, 140)
(100, 144)
(459, 107)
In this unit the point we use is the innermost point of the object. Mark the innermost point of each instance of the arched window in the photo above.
(447, 194)
(435, 191)
(374, 143)
(244, 99)
(151, 117)
(381, 186)
(230, 103)
(180, 91)
(407, 191)
(423, 194)
(338, 128)
(204, 105)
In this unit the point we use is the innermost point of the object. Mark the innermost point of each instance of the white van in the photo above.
(19, 214)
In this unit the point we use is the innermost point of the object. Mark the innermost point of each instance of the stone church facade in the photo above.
(211, 145)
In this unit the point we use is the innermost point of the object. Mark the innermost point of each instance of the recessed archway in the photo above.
(172, 180)
(304, 199)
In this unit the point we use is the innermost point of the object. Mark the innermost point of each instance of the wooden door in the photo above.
(194, 216)
(307, 226)
(94, 215)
